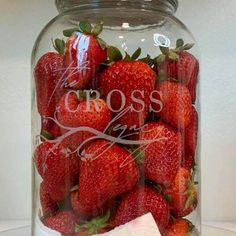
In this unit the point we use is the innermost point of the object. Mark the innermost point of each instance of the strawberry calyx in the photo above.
(157, 187)
(88, 29)
(168, 197)
(114, 54)
(148, 60)
(172, 54)
(95, 225)
(82, 94)
(167, 53)
(59, 45)
(138, 155)
(191, 195)
(191, 227)
(46, 135)
(191, 191)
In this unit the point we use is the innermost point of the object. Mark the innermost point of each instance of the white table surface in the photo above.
(207, 231)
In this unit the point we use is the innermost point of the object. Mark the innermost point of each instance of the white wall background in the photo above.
(213, 24)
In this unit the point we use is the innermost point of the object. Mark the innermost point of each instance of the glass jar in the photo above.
(115, 105)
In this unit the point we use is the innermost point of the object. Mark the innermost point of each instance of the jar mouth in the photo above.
(169, 6)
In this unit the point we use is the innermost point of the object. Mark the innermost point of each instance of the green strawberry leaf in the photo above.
(164, 50)
(136, 54)
(102, 43)
(168, 197)
(148, 60)
(173, 56)
(161, 58)
(102, 220)
(97, 29)
(45, 134)
(127, 57)
(59, 45)
(188, 46)
(138, 155)
(70, 32)
(85, 27)
(114, 54)
(192, 229)
(179, 43)
(93, 226)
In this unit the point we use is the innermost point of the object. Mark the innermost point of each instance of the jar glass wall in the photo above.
(115, 107)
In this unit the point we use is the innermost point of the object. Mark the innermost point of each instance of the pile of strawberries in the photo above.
(107, 182)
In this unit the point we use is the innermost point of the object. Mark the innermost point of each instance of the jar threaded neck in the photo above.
(169, 6)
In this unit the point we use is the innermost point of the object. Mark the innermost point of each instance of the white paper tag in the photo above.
(144, 225)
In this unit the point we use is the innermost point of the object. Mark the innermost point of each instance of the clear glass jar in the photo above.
(115, 106)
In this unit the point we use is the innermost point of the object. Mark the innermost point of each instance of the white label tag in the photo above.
(144, 225)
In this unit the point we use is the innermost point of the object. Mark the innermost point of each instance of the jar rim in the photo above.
(169, 6)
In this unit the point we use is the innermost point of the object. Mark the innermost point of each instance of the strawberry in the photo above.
(48, 74)
(49, 129)
(58, 169)
(188, 162)
(141, 201)
(48, 205)
(126, 76)
(113, 166)
(83, 55)
(63, 222)
(180, 65)
(190, 134)
(182, 193)
(176, 104)
(87, 211)
(180, 227)
(163, 156)
(73, 113)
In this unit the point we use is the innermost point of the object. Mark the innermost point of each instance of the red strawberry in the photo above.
(128, 76)
(113, 166)
(180, 227)
(190, 134)
(180, 65)
(58, 168)
(163, 156)
(176, 104)
(83, 57)
(48, 75)
(87, 211)
(48, 205)
(73, 113)
(63, 222)
(141, 201)
(182, 193)
(188, 162)
(49, 129)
